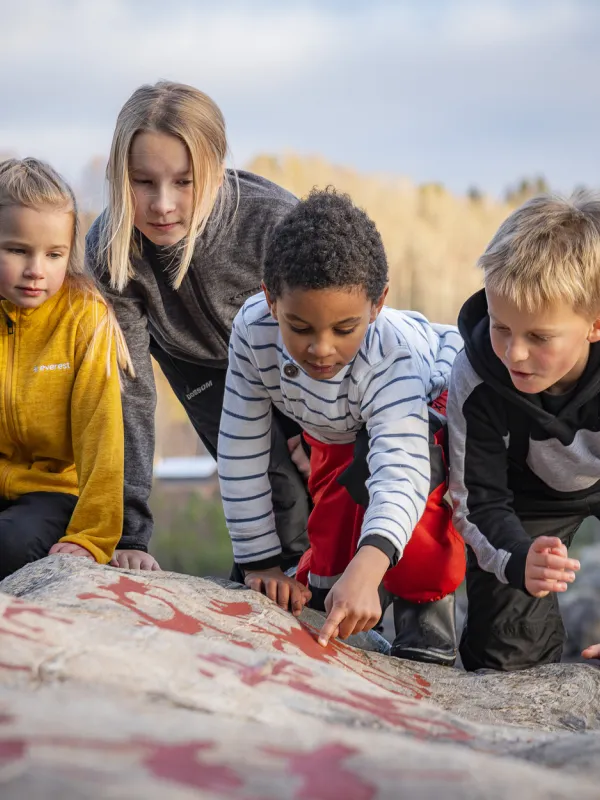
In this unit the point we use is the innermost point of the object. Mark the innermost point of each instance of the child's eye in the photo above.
(539, 338)
(18, 251)
(344, 332)
(55, 255)
(500, 329)
(299, 330)
(142, 181)
(185, 182)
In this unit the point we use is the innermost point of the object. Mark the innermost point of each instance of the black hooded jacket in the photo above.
(515, 455)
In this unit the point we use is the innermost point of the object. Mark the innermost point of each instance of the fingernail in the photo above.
(322, 642)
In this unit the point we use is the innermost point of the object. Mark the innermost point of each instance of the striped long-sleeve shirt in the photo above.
(404, 362)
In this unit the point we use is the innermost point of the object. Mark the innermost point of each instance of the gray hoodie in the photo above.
(192, 323)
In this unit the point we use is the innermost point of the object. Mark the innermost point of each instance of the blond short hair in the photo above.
(548, 251)
(196, 120)
(31, 183)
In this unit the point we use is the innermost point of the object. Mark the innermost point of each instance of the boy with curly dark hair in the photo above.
(320, 346)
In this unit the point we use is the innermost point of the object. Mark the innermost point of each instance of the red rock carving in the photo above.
(300, 638)
(12, 750)
(15, 668)
(304, 639)
(387, 709)
(179, 621)
(180, 763)
(12, 625)
(242, 609)
(254, 674)
(323, 775)
(18, 607)
(124, 586)
(242, 643)
(393, 710)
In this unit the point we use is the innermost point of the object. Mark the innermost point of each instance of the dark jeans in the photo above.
(507, 629)
(30, 525)
(200, 390)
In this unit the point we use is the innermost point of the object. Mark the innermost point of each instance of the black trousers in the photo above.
(200, 390)
(507, 629)
(30, 525)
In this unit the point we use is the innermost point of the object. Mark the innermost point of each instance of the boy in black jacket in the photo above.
(524, 422)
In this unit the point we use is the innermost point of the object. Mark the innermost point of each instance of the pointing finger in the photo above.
(331, 626)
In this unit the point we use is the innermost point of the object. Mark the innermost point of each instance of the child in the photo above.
(61, 431)
(321, 347)
(178, 250)
(523, 416)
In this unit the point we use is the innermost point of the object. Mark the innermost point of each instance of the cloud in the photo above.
(458, 91)
(92, 49)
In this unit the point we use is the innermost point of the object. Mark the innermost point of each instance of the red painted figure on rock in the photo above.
(360, 378)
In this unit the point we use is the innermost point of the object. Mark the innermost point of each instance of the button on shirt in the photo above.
(290, 370)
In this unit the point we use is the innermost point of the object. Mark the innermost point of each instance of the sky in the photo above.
(462, 92)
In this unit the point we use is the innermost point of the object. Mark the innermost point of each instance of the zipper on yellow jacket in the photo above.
(7, 393)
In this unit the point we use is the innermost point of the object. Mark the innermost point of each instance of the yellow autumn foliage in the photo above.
(432, 237)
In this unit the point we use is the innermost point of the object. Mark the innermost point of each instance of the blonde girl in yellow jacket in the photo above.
(61, 426)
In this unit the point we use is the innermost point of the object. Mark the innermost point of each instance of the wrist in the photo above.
(260, 565)
(383, 544)
(516, 566)
(370, 562)
(127, 543)
(276, 570)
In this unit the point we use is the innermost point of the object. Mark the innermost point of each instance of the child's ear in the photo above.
(594, 333)
(376, 307)
(270, 302)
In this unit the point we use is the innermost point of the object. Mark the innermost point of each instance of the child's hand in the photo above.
(134, 559)
(298, 456)
(548, 567)
(353, 603)
(70, 549)
(592, 652)
(286, 592)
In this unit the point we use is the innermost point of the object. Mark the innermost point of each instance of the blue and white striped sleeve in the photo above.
(243, 455)
(446, 343)
(394, 407)
(394, 399)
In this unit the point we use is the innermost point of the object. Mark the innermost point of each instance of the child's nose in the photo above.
(516, 351)
(163, 201)
(321, 347)
(34, 269)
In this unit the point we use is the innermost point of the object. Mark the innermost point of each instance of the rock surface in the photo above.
(118, 684)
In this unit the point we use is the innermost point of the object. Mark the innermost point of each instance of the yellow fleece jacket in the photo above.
(61, 423)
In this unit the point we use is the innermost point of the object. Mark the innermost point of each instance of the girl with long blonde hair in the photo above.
(178, 250)
(61, 431)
